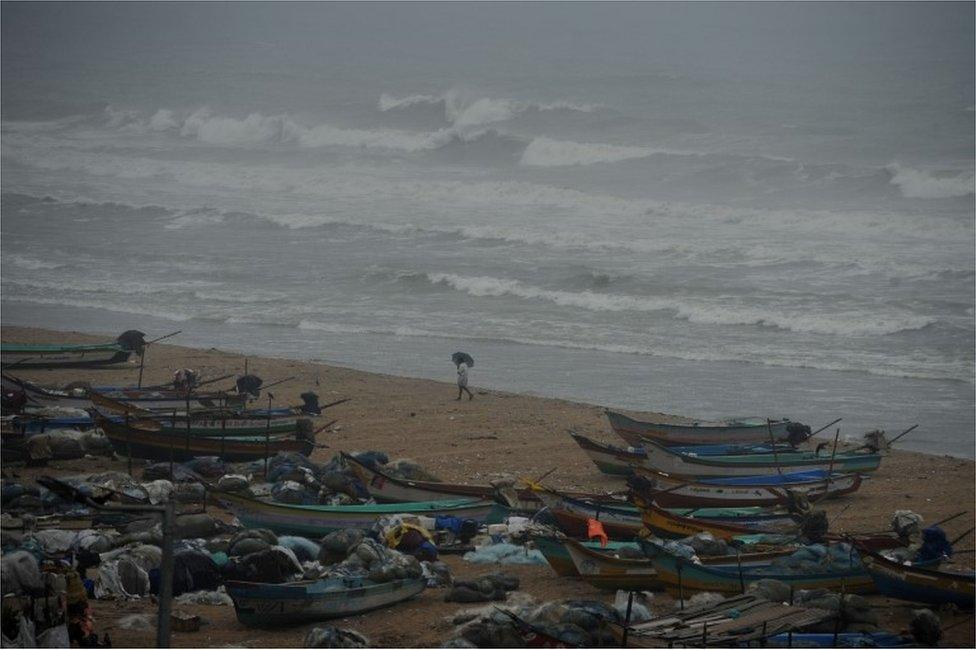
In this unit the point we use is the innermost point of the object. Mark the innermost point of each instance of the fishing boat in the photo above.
(764, 491)
(621, 461)
(663, 459)
(63, 356)
(386, 488)
(315, 521)
(623, 521)
(919, 584)
(147, 439)
(737, 430)
(610, 459)
(606, 570)
(682, 576)
(553, 548)
(669, 523)
(166, 400)
(262, 605)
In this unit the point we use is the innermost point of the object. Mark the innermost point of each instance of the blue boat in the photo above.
(919, 584)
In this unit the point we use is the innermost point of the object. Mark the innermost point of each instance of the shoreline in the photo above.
(497, 433)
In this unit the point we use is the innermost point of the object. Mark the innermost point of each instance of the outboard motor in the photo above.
(249, 385)
(876, 441)
(814, 526)
(797, 433)
(311, 404)
(133, 340)
(14, 400)
(184, 380)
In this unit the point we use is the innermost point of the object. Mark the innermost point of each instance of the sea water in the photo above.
(703, 209)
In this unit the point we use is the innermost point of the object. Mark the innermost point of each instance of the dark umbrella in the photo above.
(462, 357)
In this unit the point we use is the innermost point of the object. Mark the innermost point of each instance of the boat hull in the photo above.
(68, 356)
(268, 605)
(317, 521)
(670, 525)
(917, 584)
(675, 492)
(556, 554)
(163, 446)
(662, 459)
(636, 431)
(681, 576)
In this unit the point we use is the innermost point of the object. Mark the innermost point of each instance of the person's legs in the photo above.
(470, 396)
(460, 388)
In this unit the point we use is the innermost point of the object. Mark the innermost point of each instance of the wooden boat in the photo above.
(624, 521)
(766, 491)
(144, 398)
(63, 356)
(663, 459)
(621, 461)
(316, 521)
(682, 576)
(669, 524)
(605, 570)
(270, 605)
(386, 488)
(755, 430)
(210, 423)
(919, 584)
(147, 439)
(609, 459)
(554, 549)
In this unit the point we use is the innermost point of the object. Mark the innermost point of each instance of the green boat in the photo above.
(554, 550)
(63, 356)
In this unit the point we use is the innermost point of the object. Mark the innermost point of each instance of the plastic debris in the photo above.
(505, 554)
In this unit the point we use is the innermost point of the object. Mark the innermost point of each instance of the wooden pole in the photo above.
(188, 423)
(772, 441)
(166, 580)
(145, 348)
(630, 606)
(267, 438)
(142, 364)
(833, 454)
(128, 442)
(824, 427)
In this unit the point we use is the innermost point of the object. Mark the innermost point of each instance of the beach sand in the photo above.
(473, 441)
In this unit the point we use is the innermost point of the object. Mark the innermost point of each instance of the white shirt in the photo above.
(463, 374)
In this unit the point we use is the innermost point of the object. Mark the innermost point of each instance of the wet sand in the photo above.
(472, 441)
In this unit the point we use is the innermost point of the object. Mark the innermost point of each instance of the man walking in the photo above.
(462, 379)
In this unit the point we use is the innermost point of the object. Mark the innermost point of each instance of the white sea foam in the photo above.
(859, 323)
(389, 102)
(464, 108)
(546, 152)
(30, 263)
(924, 184)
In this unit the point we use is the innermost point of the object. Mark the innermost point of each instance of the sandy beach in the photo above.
(472, 441)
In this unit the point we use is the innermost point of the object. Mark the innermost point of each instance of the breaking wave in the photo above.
(31, 264)
(922, 184)
(546, 152)
(840, 324)
(463, 109)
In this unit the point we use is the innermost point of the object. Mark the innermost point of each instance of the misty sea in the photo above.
(712, 210)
